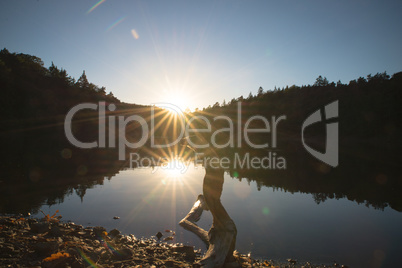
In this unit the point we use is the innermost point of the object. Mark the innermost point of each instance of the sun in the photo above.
(172, 108)
(177, 101)
(180, 101)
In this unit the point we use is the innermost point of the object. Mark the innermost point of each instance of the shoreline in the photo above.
(49, 242)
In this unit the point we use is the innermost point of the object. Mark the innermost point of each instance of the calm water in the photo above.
(271, 223)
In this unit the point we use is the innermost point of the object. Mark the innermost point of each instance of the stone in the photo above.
(169, 238)
(123, 254)
(169, 263)
(188, 251)
(56, 231)
(40, 227)
(159, 235)
(113, 233)
(46, 248)
(99, 231)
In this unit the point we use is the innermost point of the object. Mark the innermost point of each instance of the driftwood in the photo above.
(221, 238)
(189, 222)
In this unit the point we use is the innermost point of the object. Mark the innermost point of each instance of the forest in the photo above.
(370, 107)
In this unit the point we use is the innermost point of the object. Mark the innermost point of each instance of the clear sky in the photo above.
(194, 53)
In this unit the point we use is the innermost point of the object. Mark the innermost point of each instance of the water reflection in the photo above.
(42, 174)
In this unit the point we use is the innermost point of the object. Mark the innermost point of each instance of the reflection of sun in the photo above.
(169, 184)
(174, 169)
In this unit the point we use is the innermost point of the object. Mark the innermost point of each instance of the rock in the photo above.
(75, 226)
(126, 239)
(123, 254)
(8, 249)
(99, 231)
(22, 248)
(31, 221)
(73, 252)
(46, 248)
(159, 235)
(169, 263)
(142, 244)
(93, 256)
(188, 251)
(61, 262)
(56, 231)
(75, 239)
(169, 238)
(113, 233)
(88, 248)
(40, 227)
(105, 255)
(34, 264)
(80, 233)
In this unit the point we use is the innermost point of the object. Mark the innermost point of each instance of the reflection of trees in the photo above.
(29, 197)
(361, 181)
(39, 167)
(321, 197)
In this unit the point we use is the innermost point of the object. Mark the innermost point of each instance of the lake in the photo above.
(272, 222)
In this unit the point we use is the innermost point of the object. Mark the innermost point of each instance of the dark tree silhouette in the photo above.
(82, 82)
(260, 91)
(321, 81)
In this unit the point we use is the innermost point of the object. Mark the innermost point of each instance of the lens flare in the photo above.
(95, 6)
(265, 211)
(86, 258)
(114, 24)
(135, 34)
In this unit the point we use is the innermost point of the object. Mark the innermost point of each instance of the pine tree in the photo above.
(82, 82)
(260, 91)
(321, 81)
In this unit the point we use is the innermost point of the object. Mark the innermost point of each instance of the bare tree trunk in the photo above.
(194, 216)
(221, 239)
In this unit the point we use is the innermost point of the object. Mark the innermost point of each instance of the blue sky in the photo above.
(194, 53)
